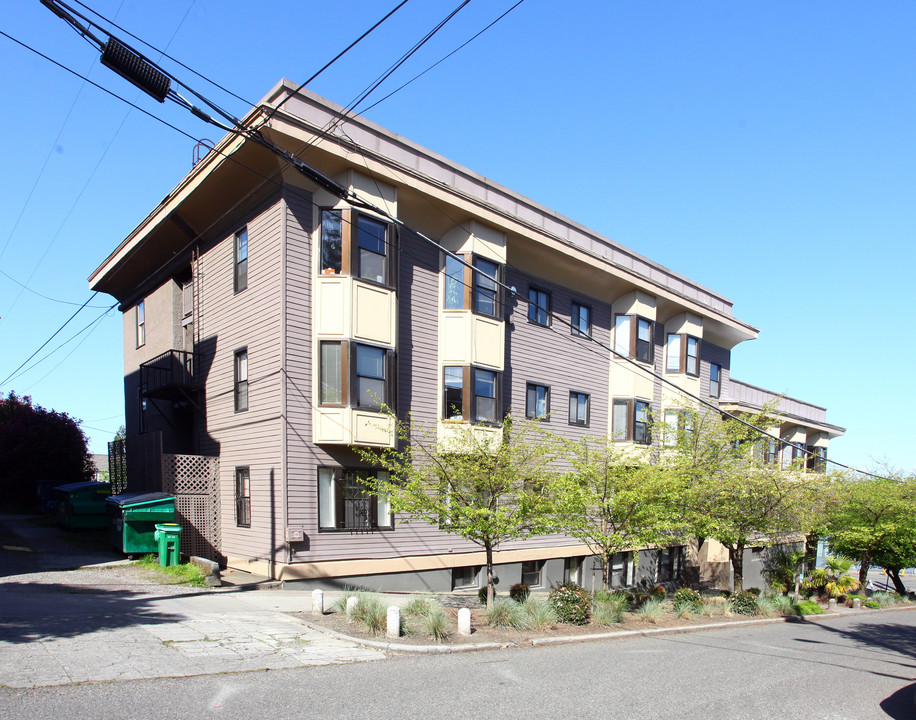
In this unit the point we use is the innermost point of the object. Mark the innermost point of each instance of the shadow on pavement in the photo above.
(40, 612)
(902, 704)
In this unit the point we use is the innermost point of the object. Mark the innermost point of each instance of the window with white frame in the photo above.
(346, 500)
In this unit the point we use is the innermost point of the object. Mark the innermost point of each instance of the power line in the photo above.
(46, 297)
(329, 63)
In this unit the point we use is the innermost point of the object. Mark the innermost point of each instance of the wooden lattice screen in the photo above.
(194, 480)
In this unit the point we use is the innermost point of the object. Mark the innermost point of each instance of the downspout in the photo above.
(284, 384)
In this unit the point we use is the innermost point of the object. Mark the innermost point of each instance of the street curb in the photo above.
(570, 639)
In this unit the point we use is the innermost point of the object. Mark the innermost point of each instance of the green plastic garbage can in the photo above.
(168, 538)
(133, 518)
(82, 504)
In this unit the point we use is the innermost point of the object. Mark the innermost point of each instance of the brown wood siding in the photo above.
(228, 322)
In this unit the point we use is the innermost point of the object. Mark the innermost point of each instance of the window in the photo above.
(572, 570)
(578, 408)
(537, 401)
(683, 354)
(670, 564)
(464, 577)
(677, 423)
(454, 283)
(633, 337)
(538, 306)
(619, 571)
(715, 373)
(345, 502)
(486, 394)
(372, 252)
(241, 380)
(471, 394)
(581, 320)
(630, 421)
(817, 459)
(356, 375)
(241, 260)
(353, 243)
(141, 323)
(242, 498)
(187, 302)
(771, 451)
(331, 242)
(453, 393)
(531, 572)
(486, 290)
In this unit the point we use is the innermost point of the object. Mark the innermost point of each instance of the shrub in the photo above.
(571, 603)
(419, 606)
(434, 623)
(744, 603)
(809, 607)
(651, 610)
(519, 592)
(873, 604)
(371, 612)
(687, 599)
(539, 613)
(754, 590)
(887, 599)
(658, 592)
(711, 607)
(506, 614)
(608, 608)
(482, 595)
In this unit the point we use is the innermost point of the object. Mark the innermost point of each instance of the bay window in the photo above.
(356, 375)
(475, 288)
(630, 421)
(357, 244)
(471, 394)
(683, 354)
(633, 337)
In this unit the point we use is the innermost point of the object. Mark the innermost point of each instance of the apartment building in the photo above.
(267, 322)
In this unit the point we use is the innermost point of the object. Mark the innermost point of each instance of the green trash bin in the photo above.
(168, 537)
(82, 504)
(133, 518)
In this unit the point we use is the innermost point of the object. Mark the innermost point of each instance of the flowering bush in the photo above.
(571, 602)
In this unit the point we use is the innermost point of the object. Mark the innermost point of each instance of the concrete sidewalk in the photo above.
(104, 622)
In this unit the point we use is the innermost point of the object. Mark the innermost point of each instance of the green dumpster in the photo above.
(82, 504)
(133, 518)
(168, 537)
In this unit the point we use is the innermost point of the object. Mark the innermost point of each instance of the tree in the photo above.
(37, 444)
(873, 520)
(477, 483)
(726, 489)
(834, 578)
(609, 501)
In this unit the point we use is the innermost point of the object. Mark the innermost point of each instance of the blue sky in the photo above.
(765, 151)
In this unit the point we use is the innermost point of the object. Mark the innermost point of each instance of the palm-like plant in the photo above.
(833, 579)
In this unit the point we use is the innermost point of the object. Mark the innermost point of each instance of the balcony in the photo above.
(169, 376)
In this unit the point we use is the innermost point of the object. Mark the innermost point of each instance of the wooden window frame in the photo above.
(350, 378)
(633, 342)
(349, 246)
(632, 405)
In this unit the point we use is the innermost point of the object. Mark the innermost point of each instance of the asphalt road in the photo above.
(860, 667)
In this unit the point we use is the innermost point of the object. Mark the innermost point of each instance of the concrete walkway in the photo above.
(63, 621)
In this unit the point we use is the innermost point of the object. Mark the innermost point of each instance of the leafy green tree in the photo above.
(781, 568)
(37, 444)
(728, 492)
(873, 520)
(479, 485)
(608, 501)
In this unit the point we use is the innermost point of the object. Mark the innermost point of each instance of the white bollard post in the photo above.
(857, 603)
(831, 604)
(317, 602)
(464, 621)
(394, 621)
(352, 602)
